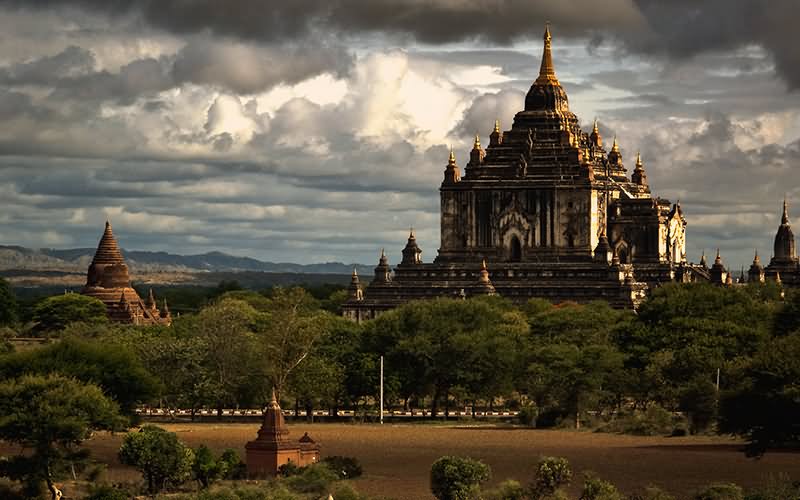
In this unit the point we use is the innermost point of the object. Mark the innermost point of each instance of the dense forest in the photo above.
(694, 358)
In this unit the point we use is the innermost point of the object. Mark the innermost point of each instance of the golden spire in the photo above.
(411, 233)
(615, 146)
(785, 216)
(639, 160)
(547, 73)
(595, 130)
(718, 259)
(497, 126)
(483, 265)
(477, 144)
(452, 159)
(756, 259)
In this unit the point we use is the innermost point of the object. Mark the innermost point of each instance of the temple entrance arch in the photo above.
(515, 249)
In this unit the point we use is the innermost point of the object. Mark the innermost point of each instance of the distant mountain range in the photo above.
(78, 260)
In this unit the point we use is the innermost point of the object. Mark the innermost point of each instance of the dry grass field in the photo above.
(397, 458)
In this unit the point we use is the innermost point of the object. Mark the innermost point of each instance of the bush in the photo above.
(527, 415)
(346, 492)
(655, 421)
(269, 491)
(457, 478)
(551, 474)
(777, 488)
(722, 491)
(345, 467)
(314, 479)
(507, 490)
(159, 455)
(235, 468)
(595, 488)
(207, 468)
(289, 469)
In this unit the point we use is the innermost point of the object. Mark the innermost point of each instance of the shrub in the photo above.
(346, 492)
(159, 455)
(457, 478)
(721, 491)
(527, 415)
(312, 479)
(551, 474)
(289, 469)
(235, 468)
(345, 467)
(777, 488)
(207, 468)
(595, 488)
(507, 490)
(655, 421)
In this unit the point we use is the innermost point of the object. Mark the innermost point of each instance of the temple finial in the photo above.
(615, 146)
(355, 272)
(785, 216)
(594, 127)
(477, 144)
(547, 73)
(639, 159)
(497, 126)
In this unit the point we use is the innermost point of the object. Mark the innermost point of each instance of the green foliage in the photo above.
(765, 407)
(595, 488)
(235, 468)
(115, 369)
(344, 467)
(433, 346)
(780, 487)
(653, 493)
(6, 334)
(53, 314)
(722, 491)
(654, 421)
(8, 304)
(315, 479)
(50, 416)
(457, 478)
(268, 491)
(507, 490)
(527, 415)
(346, 492)
(552, 473)
(159, 455)
(207, 468)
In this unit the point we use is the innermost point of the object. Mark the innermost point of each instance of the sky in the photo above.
(318, 130)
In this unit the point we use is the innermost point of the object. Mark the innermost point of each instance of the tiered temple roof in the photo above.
(108, 280)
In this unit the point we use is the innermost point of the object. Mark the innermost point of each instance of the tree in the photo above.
(112, 367)
(226, 330)
(159, 455)
(55, 313)
(8, 304)
(457, 478)
(765, 407)
(294, 325)
(50, 416)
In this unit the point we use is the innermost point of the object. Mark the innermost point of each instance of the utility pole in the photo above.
(381, 390)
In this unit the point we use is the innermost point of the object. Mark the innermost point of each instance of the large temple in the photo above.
(784, 266)
(543, 211)
(108, 280)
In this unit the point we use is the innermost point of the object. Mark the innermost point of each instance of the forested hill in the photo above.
(77, 259)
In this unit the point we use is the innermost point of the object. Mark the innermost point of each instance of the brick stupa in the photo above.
(108, 280)
(272, 448)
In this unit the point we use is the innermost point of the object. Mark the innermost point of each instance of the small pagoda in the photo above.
(272, 448)
(108, 280)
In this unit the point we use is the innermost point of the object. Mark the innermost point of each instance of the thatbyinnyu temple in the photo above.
(545, 210)
(108, 280)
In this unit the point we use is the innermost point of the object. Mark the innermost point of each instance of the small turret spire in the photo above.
(497, 126)
(718, 258)
(477, 144)
(756, 259)
(452, 159)
(615, 146)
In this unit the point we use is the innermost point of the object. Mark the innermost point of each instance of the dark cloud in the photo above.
(678, 28)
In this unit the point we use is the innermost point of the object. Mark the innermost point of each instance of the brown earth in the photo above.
(397, 458)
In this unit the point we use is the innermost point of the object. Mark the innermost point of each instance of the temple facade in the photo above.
(545, 210)
(108, 280)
